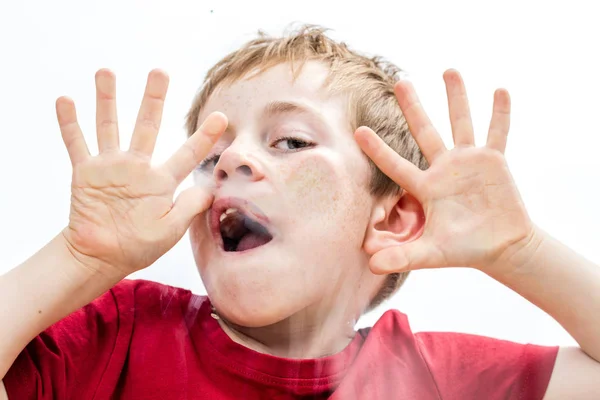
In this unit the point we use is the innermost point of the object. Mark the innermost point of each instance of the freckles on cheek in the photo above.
(314, 183)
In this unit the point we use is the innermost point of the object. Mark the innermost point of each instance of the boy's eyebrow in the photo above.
(287, 107)
(278, 107)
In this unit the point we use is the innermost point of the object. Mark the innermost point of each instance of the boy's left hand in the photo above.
(474, 215)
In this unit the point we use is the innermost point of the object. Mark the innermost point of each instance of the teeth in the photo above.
(227, 212)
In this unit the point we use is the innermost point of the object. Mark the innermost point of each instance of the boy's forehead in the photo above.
(311, 77)
(276, 84)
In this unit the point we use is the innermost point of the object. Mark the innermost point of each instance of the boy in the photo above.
(295, 233)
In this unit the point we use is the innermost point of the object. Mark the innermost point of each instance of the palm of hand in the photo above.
(117, 206)
(473, 210)
(122, 212)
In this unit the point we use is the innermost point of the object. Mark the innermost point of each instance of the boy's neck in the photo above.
(301, 336)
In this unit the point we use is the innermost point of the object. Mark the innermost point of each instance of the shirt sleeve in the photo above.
(70, 358)
(468, 366)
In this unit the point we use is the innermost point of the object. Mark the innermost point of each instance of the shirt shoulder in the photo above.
(468, 366)
(148, 296)
(84, 353)
(460, 365)
(164, 335)
(151, 303)
(389, 362)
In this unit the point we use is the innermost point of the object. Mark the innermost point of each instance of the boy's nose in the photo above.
(236, 164)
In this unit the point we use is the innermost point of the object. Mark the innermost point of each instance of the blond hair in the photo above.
(367, 81)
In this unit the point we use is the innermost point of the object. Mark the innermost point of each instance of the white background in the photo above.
(545, 53)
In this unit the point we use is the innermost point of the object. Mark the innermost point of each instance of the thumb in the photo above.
(419, 254)
(188, 204)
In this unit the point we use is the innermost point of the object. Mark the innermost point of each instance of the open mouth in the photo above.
(238, 226)
(239, 232)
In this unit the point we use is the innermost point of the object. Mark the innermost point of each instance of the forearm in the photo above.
(45, 288)
(560, 282)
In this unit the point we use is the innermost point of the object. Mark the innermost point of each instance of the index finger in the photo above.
(397, 168)
(420, 125)
(196, 147)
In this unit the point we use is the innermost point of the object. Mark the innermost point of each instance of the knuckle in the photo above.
(107, 123)
(192, 151)
(157, 97)
(148, 122)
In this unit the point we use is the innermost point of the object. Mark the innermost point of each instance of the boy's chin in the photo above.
(252, 320)
(251, 315)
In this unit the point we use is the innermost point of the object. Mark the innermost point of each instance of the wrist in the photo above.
(518, 257)
(86, 264)
(42, 290)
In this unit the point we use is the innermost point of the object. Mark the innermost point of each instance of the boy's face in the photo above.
(289, 162)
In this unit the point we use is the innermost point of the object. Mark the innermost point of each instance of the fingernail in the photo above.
(366, 141)
(378, 268)
(212, 126)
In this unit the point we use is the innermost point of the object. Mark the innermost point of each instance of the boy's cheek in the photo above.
(314, 184)
(330, 194)
(199, 234)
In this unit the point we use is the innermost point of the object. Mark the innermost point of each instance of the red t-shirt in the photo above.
(145, 340)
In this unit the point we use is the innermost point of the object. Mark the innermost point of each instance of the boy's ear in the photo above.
(394, 220)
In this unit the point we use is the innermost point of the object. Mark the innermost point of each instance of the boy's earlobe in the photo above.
(394, 220)
(375, 239)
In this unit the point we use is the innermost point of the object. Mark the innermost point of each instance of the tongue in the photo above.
(252, 240)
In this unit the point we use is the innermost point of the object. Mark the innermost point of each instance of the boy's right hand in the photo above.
(122, 215)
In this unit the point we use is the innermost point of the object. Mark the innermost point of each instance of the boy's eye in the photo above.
(290, 143)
